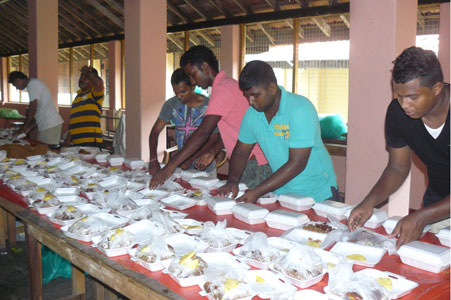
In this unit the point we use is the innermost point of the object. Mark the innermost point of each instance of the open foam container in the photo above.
(330, 208)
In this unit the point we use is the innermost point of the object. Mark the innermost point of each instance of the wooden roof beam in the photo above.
(206, 38)
(197, 9)
(301, 30)
(112, 17)
(68, 21)
(76, 17)
(225, 12)
(116, 6)
(244, 6)
(249, 35)
(173, 39)
(322, 24)
(263, 29)
(274, 4)
(345, 19)
(420, 19)
(179, 12)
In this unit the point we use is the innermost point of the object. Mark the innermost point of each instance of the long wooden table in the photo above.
(136, 282)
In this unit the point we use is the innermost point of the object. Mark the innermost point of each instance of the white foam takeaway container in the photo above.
(134, 163)
(296, 202)
(115, 160)
(284, 219)
(390, 224)
(425, 256)
(332, 208)
(220, 205)
(379, 216)
(444, 235)
(188, 174)
(202, 182)
(250, 213)
(101, 157)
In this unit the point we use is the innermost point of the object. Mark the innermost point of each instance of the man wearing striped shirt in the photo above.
(84, 124)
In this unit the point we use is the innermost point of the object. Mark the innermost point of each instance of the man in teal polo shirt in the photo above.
(286, 127)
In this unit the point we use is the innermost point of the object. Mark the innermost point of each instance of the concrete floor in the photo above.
(14, 278)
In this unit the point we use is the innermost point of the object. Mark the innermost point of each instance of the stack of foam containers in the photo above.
(425, 256)
(284, 219)
(444, 235)
(379, 216)
(134, 163)
(250, 213)
(220, 205)
(330, 208)
(115, 160)
(296, 202)
(390, 224)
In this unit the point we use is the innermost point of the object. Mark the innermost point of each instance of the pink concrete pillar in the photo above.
(43, 43)
(114, 63)
(379, 31)
(145, 73)
(3, 80)
(230, 50)
(444, 34)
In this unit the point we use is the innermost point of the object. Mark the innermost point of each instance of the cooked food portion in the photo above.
(116, 238)
(189, 265)
(149, 254)
(68, 212)
(385, 282)
(227, 289)
(84, 152)
(318, 227)
(358, 257)
(23, 151)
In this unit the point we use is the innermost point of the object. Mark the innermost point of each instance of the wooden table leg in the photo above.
(11, 229)
(2, 228)
(78, 281)
(99, 290)
(34, 267)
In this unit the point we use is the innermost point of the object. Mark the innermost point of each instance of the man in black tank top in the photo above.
(417, 120)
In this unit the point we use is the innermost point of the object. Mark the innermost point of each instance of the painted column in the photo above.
(43, 43)
(443, 46)
(145, 62)
(230, 50)
(379, 31)
(3, 80)
(114, 61)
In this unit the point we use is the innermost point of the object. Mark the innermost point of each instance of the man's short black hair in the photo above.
(180, 76)
(197, 55)
(417, 63)
(256, 73)
(16, 74)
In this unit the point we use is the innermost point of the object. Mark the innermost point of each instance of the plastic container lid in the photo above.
(134, 163)
(115, 160)
(296, 201)
(218, 202)
(376, 220)
(101, 157)
(390, 224)
(250, 210)
(444, 235)
(286, 217)
(203, 182)
(425, 256)
(188, 174)
(331, 208)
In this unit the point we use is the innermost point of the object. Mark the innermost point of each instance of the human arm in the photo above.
(393, 176)
(238, 162)
(196, 140)
(205, 147)
(206, 158)
(297, 161)
(30, 121)
(154, 165)
(94, 79)
(410, 228)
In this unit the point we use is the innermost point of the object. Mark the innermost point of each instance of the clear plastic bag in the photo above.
(116, 238)
(257, 248)
(366, 237)
(169, 224)
(216, 236)
(345, 284)
(226, 283)
(154, 251)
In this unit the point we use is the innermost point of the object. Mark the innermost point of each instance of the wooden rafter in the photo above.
(323, 25)
(300, 30)
(244, 6)
(173, 39)
(178, 12)
(112, 17)
(345, 19)
(420, 19)
(263, 29)
(99, 24)
(274, 4)
(66, 21)
(116, 6)
(197, 9)
(249, 35)
(206, 38)
(79, 19)
(219, 7)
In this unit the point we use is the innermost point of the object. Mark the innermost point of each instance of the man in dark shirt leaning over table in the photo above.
(417, 120)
